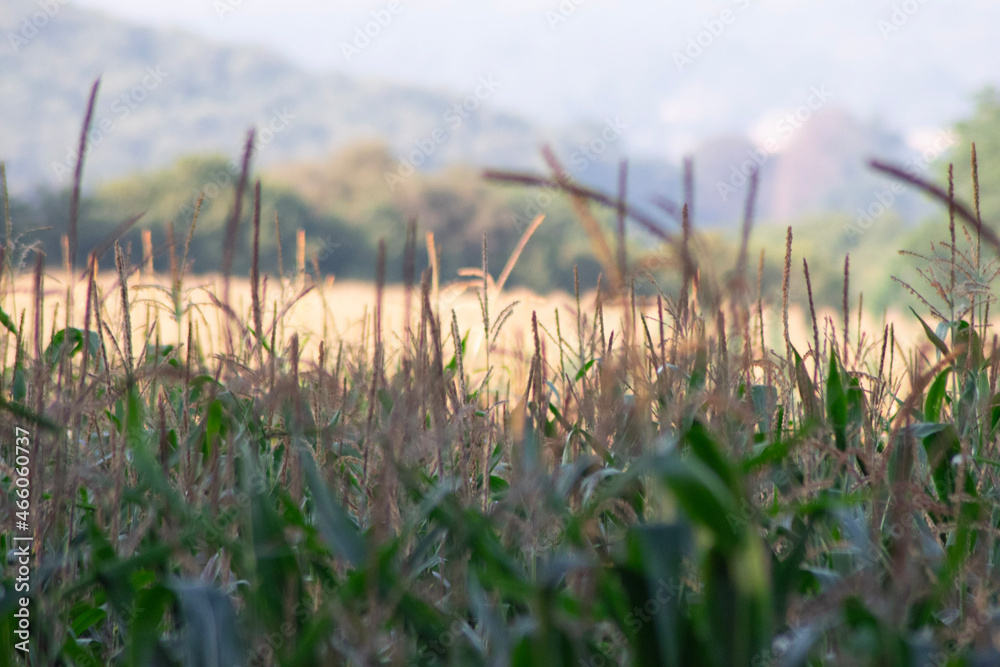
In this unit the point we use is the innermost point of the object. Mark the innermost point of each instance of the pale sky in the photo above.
(915, 69)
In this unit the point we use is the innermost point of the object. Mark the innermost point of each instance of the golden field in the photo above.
(342, 312)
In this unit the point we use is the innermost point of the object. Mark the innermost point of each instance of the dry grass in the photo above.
(317, 473)
(344, 310)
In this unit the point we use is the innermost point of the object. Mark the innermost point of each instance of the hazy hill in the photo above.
(834, 149)
(917, 64)
(166, 93)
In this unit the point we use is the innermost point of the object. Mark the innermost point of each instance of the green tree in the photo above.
(982, 128)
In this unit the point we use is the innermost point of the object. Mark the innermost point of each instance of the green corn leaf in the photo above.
(931, 336)
(209, 624)
(836, 403)
(807, 392)
(335, 526)
(935, 396)
(7, 322)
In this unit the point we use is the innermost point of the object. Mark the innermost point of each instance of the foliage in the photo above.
(983, 128)
(651, 487)
(343, 207)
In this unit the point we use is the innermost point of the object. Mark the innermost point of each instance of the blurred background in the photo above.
(371, 113)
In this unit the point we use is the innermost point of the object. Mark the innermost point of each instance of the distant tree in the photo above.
(455, 203)
(983, 128)
(171, 195)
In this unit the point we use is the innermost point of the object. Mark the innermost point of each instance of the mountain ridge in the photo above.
(204, 100)
(166, 93)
